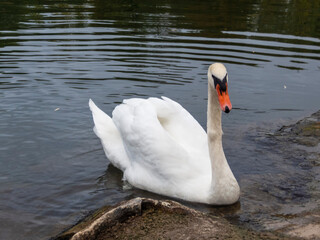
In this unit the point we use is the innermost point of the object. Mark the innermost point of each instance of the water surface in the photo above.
(55, 56)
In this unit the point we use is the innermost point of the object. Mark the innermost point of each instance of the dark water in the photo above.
(56, 55)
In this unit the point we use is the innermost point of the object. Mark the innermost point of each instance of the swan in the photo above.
(161, 148)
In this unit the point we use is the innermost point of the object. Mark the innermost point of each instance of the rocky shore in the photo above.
(301, 142)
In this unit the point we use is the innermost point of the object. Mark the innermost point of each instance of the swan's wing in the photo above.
(182, 126)
(157, 157)
(110, 137)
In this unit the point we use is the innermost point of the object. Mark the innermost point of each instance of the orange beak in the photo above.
(224, 99)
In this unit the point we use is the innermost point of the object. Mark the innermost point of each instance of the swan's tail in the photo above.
(110, 137)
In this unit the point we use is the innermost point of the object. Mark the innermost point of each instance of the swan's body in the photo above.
(161, 148)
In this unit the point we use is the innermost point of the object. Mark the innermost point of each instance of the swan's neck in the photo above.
(214, 131)
(224, 187)
(214, 115)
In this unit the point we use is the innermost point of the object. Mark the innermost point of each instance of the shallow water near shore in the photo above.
(56, 56)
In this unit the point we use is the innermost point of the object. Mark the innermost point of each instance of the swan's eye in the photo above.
(222, 84)
(219, 89)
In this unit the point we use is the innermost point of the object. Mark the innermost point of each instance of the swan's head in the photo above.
(218, 80)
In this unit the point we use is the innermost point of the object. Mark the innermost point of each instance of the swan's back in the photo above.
(157, 122)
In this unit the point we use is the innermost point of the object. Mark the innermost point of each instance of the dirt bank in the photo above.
(142, 218)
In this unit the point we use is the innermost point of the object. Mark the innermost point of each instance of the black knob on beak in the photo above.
(227, 110)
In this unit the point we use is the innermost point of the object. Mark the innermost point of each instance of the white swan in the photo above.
(161, 148)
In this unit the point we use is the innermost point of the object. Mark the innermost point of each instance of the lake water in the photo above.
(55, 56)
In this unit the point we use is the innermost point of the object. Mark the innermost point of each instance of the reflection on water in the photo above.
(56, 56)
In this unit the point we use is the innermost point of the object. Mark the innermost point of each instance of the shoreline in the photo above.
(145, 218)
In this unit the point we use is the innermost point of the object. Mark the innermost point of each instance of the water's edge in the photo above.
(298, 144)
